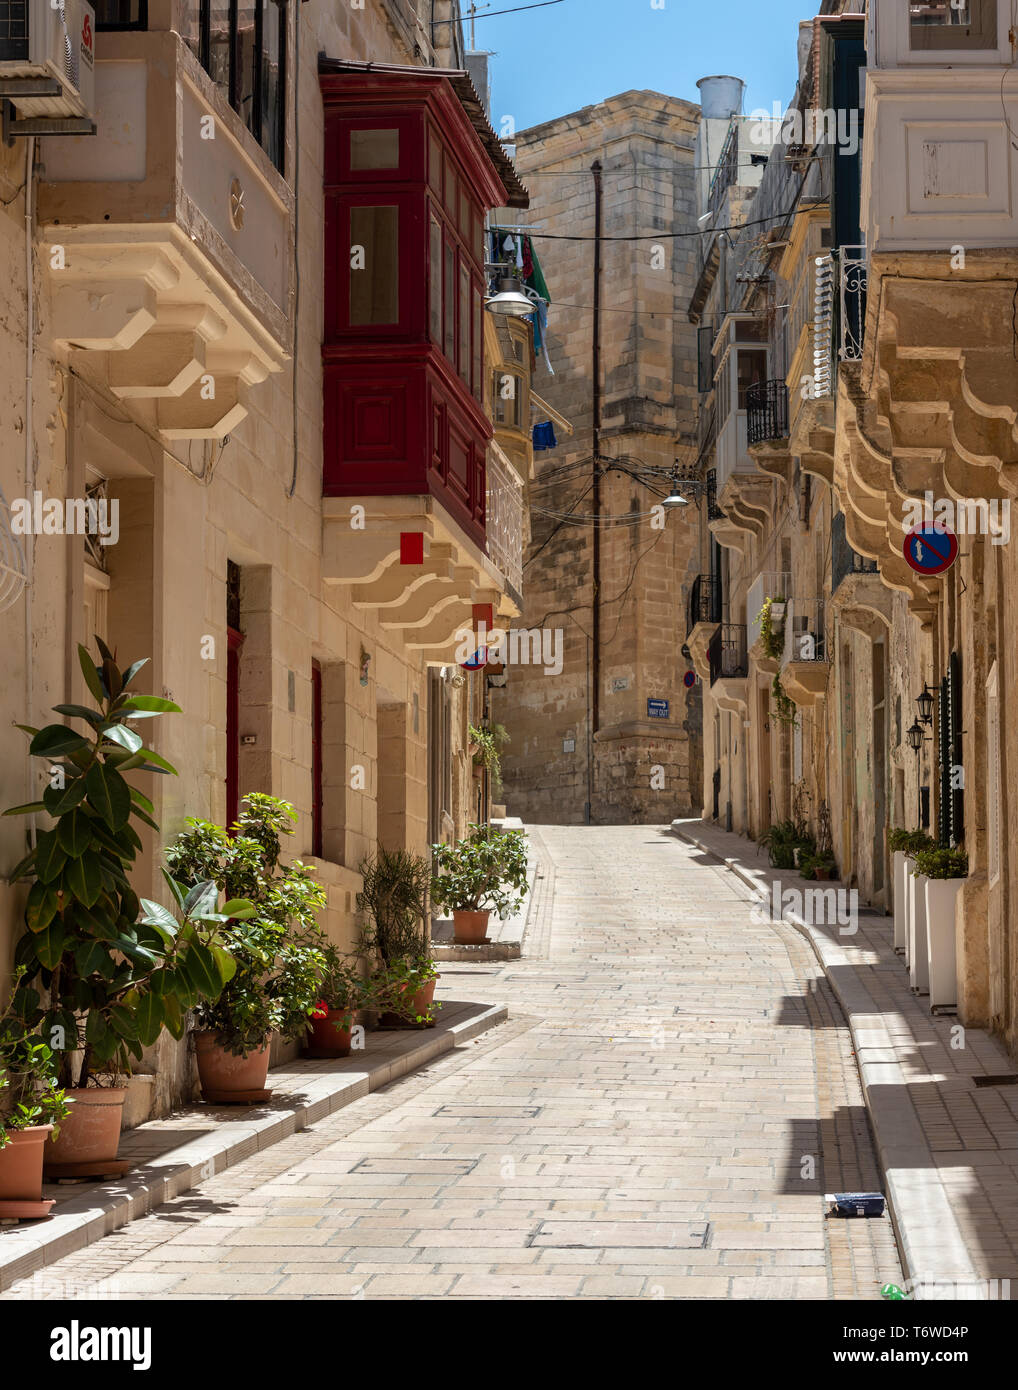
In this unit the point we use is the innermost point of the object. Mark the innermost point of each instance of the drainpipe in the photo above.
(595, 659)
(30, 449)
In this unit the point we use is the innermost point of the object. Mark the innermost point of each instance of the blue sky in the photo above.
(553, 61)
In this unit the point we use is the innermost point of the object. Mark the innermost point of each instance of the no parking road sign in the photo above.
(930, 549)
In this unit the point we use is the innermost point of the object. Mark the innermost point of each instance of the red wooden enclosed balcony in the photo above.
(411, 167)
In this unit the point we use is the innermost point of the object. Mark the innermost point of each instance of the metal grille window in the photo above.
(13, 30)
(952, 797)
(241, 44)
(766, 411)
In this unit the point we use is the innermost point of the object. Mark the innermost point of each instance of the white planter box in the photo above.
(941, 906)
(900, 873)
(918, 959)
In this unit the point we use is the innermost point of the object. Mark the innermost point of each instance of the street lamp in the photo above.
(675, 497)
(510, 300)
(925, 706)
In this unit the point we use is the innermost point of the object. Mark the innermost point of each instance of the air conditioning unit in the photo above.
(47, 57)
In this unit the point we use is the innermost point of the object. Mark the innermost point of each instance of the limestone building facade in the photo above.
(613, 734)
(200, 355)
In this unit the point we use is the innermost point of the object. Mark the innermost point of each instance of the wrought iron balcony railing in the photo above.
(805, 632)
(704, 600)
(726, 654)
(766, 411)
(853, 275)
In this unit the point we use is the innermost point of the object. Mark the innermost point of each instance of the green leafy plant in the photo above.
(394, 900)
(908, 841)
(102, 971)
(277, 946)
(486, 870)
(488, 744)
(810, 863)
(773, 644)
(782, 707)
(940, 862)
(780, 840)
(29, 1094)
(344, 985)
(397, 985)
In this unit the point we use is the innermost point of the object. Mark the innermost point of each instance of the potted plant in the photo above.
(344, 991)
(899, 842)
(771, 620)
(276, 946)
(485, 873)
(817, 866)
(486, 746)
(780, 841)
(394, 902)
(103, 971)
(906, 843)
(31, 1104)
(405, 990)
(944, 871)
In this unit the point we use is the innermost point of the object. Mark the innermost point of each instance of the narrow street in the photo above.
(672, 1095)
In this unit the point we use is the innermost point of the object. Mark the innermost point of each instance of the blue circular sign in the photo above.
(689, 679)
(930, 549)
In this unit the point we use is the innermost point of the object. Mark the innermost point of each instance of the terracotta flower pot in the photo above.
(90, 1135)
(330, 1035)
(229, 1080)
(423, 999)
(470, 928)
(21, 1174)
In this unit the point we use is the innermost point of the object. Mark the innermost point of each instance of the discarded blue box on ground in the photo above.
(854, 1203)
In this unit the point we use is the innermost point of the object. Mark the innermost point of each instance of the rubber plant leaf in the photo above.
(55, 740)
(127, 738)
(91, 673)
(74, 833)
(147, 704)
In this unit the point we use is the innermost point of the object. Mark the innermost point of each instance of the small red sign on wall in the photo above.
(411, 548)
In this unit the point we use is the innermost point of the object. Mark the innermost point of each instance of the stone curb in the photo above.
(929, 1241)
(309, 1097)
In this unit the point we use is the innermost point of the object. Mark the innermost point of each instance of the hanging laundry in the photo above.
(544, 436)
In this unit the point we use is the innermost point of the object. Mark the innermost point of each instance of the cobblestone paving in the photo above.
(674, 1092)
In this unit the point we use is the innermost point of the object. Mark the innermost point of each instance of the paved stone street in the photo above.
(672, 1095)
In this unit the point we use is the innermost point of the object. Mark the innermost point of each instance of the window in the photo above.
(374, 149)
(952, 24)
(374, 266)
(121, 14)
(450, 300)
(507, 399)
(241, 44)
(235, 640)
(435, 281)
(752, 371)
(465, 321)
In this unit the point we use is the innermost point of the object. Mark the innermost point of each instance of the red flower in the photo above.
(321, 1010)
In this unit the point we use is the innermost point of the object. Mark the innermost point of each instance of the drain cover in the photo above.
(621, 1235)
(444, 1167)
(1004, 1078)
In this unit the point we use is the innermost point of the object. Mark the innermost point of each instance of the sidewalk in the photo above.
(948, 1148)
(505, 936)
(197, 1142)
